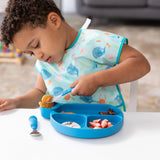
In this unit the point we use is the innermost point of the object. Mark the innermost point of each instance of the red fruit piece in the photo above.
(91, 127)
(104, 123)
(110, 124)
(97, 121)
(95, 124)
(97, 128)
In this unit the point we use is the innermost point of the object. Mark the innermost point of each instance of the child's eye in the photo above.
(31, 53)
(37, 45)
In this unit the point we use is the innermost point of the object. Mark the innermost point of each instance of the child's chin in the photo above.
(58, 61)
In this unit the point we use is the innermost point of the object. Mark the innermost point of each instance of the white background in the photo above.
(3, 4)
(69, 7)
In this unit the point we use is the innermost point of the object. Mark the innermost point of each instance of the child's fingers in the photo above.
(73, 84)
(3, 106)
(2, 109)
(74, 91)
(2, 103)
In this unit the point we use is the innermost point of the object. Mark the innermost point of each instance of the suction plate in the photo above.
(83, 114)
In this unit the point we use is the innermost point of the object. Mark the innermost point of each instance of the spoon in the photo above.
(64, 93)
(34, 125)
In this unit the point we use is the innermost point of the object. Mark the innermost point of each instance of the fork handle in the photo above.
(67, 91)
(33, 122)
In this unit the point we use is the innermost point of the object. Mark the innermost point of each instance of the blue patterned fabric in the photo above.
(92, 51)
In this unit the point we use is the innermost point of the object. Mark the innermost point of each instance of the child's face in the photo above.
(47, 44)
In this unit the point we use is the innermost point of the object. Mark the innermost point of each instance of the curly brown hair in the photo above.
(21, 12)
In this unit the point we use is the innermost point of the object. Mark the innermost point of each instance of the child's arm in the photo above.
(29, 100)
(132, 66)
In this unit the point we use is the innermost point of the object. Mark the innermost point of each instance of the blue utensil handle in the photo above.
(67, 91)
(33, 122)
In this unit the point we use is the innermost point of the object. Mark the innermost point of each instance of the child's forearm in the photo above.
(30, 100)
(128, 70)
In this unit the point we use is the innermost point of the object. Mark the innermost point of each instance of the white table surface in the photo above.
(138, 139)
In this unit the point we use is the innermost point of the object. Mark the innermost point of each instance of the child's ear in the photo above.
(54, 19)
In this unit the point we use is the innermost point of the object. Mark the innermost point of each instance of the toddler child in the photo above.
(91, 61)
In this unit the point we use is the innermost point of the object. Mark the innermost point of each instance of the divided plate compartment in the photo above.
(83, 114)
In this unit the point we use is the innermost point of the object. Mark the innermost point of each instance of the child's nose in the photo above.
(39, 55)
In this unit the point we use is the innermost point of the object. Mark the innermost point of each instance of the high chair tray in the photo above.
(83, 115)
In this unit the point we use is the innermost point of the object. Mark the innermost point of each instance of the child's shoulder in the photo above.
(91, 34)
(95, 32)
(99, 35)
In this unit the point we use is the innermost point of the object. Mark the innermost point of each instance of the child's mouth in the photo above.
(48, 60)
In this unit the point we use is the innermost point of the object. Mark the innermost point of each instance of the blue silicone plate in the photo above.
(83, 114)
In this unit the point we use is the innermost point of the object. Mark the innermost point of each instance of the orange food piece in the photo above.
(46, 98)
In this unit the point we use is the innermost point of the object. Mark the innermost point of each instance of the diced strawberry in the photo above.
(94, 124)
(98, 124)
(104, 123)
(91, 127)
(97, 127)
(110, 124)
(97, 121)
(106, 120)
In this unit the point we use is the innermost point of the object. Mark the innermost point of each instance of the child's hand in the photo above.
(7, 104)
(85, 85)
